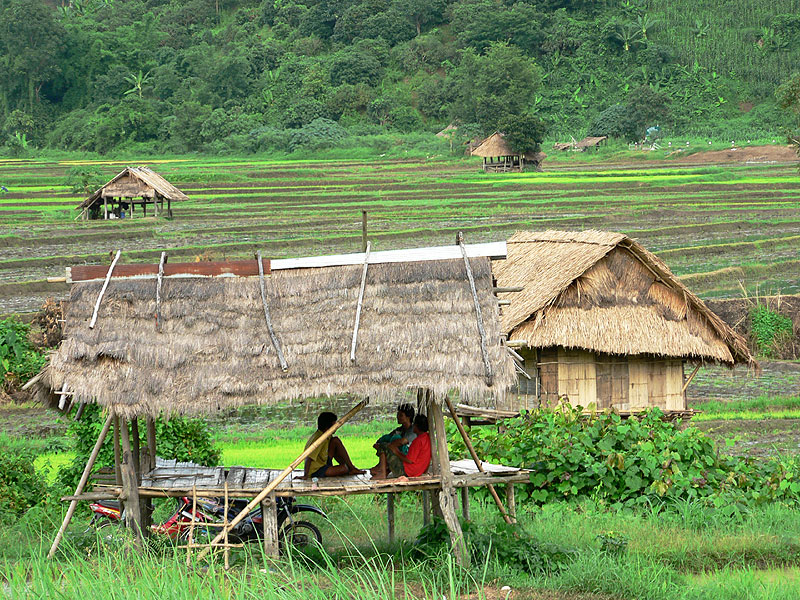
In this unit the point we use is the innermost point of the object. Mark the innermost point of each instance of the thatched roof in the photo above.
(135, 182)
(605, 292)
(591, 141)
(494, 145)
(418, 329)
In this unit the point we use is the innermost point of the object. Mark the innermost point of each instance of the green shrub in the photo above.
(178, 438)
(631, 462)
(769, 330)
(21, 487)
(19, 360)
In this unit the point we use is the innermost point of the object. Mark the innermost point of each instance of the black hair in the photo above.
(421, 421)
(326, 420)
(407, 410)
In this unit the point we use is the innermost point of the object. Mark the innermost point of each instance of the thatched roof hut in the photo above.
(592, 295)
(496, 146)
(133, 185)
(417, 330)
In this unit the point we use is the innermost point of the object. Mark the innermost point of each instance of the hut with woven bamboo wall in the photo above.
(502, 159)
(133, 186)
(602, 323)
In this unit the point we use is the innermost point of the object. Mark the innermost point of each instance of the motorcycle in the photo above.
(291, 531)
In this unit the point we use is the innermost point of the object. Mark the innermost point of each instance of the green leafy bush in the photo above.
(769, 330)
(178, 438)
(20, 485)
(19, 360)
(631, 462)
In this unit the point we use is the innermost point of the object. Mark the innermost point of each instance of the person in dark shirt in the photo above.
(412, 464)
(399, 438)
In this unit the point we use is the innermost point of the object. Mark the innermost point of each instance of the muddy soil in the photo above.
(759, 438)
(754, 154)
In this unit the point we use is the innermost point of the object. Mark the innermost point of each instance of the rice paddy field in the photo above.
(722, 227)
(726, 227)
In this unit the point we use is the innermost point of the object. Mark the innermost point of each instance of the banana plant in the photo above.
(138, 82)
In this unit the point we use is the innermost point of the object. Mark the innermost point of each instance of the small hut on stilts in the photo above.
(195, 338)
(502, 159)
(118, 198)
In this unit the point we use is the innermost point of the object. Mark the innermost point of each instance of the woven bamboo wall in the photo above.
(602, 381)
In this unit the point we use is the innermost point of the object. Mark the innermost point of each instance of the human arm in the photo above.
(306, 468)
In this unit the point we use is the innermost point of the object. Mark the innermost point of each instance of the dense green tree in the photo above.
(30, 39)
(523, 133)
(491, 85)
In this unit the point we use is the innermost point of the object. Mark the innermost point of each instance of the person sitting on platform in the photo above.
(413, 464)
(400, 437)
(320, 462)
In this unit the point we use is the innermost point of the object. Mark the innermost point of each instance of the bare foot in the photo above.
(355, 471)
(379, 474)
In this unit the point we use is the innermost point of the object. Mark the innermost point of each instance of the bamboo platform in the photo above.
(174, 479)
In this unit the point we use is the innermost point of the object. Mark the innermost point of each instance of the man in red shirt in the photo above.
(413, 464)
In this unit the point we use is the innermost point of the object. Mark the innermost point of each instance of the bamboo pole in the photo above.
(689, 379)
(130, 485)
(364, 245)
(487, 366)
(285, 473)
(477, 461)
(272, 335)
(160, 280)
(360, 302)
(81, 484)
(103, 289)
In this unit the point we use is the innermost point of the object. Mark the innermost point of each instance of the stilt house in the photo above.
(602, 323)
(195, 338)
(133, 186)
(501, 159)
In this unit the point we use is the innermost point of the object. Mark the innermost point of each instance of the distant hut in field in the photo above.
(586, 143)
(501, 159)
(118, 198)
(602, 322)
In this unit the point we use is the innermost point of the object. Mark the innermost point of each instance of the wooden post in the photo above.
(144, 207)
(285, 473)
(390, 515)
(147, 504)
(269, 518)
(487, 367)
(426, 507)
(169, 207)
(226, 551)
(81, 484)
(137, 454)
(159, 282)
(103, 289)
(476, 460)
(447, 501)
(465, 503)
(275, 342)
(105, 208)
(363, 231)
(511, 502)
(155, 205)
(117, 453)
(130, 486)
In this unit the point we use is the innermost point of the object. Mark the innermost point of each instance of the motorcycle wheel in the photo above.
(99, 522)
(299, 535)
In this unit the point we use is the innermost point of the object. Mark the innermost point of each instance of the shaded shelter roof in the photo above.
(605, 292)
(496, 145)
(135, 182)
(418, 329)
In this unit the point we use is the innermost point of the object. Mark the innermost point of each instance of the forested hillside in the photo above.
(243, 76)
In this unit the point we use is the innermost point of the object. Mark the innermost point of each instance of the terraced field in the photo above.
(715, 225)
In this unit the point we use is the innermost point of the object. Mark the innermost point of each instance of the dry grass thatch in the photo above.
(494, 145)
(145, 181)
(605, 292)
(418, 329)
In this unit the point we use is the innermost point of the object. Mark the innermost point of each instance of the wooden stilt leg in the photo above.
(426, 507)
(130, 486)
(81, 484)
(269, 517)
(149, 465)
(511, 502)
(465, 503)
(390, 516)
(447, 501)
